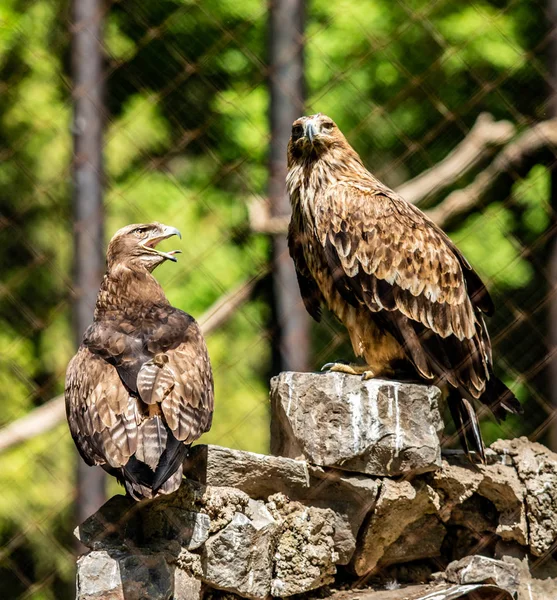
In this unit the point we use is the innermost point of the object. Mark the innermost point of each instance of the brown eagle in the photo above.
(411, 302)
(139, 390)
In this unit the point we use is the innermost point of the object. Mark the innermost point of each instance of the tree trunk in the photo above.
(290, 332)
(87, 72)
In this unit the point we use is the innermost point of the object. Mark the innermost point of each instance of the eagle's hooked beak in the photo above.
(310, 131)
(165, 233)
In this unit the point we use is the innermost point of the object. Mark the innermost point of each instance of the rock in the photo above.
(537, 578)
(120, 576)
(146, 576)
(459, 481)
(430, 592)
(258, 475)
(115, 523)
(400, 504)
(351, 497)
(98, 577)
(481, 569)
(219, 504)
(421, 539)
(376, 427)
(190, 529)
(186, 587)
(305, 558)
(239, 557)
(537, 470)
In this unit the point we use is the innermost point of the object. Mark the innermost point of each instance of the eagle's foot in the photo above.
(349, 369)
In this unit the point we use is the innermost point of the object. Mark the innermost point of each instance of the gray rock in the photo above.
(376, 427)
(123, 576)
(431, 592)
(351, 497)
(186, 587)
(258, 475)
(190, 529)
(421, 539)
(239, 557)
(305, 557)
(481, 569)
(146, 576)
(497, 482)
(98, 577)
(115, 523)
(400, 505)
(537, 470)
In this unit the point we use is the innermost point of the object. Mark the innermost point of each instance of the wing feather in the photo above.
(101, 413)
(387, 255)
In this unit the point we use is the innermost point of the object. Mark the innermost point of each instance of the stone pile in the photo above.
(360, 493)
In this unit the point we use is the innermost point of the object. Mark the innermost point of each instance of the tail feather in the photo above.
(467, 426)
(500, 399)
(156, 466)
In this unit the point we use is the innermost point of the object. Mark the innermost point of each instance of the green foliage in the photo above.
(186, 144)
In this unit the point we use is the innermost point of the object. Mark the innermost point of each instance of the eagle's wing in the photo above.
(311, 295)
(180, 380)
(387, 255)
(156, 379)
(102, 415)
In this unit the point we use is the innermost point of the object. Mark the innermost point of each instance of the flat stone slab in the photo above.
(429, 592)
(377, 427)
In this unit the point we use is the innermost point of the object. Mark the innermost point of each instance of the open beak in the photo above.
(157, 237)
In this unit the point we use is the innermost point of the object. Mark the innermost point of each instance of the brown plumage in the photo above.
(139, 390)
(410, 300)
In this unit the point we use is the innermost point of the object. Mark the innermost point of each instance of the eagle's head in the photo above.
(135, 246)
(312, 136)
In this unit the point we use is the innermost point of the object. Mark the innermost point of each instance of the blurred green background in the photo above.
(187, 144)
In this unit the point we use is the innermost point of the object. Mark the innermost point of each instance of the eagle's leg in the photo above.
(349, 368)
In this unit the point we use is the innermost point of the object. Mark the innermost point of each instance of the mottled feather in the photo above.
(139, 390)
(396, 281)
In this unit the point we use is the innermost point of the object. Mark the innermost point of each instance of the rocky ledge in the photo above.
(247, 525)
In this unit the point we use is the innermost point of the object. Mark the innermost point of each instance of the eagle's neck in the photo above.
(128, 290)
(309, 176)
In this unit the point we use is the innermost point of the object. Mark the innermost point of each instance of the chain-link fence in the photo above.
(450, 103)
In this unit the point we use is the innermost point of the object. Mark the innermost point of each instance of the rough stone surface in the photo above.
(305, 556)
(421, 539)
(239, 557)
(118, 576)
(146, 576)
(186, 587)
(258, 475)
(400, 505)
(481, 569)
(376, 427)
(459, 481)
(98, 577)
(190, 529)
(537, 469)
(430, 592)
(350, 496)
(115, 523)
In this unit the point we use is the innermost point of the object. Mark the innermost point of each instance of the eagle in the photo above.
(139, 390)
(412, 304)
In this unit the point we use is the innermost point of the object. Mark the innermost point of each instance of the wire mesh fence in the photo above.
(450, 103)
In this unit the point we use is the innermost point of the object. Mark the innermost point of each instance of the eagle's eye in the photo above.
(297, 132)
(140, 231)
(327, 127)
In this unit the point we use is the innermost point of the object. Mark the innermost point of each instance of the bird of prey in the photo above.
(411, 302)
(139, 390)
